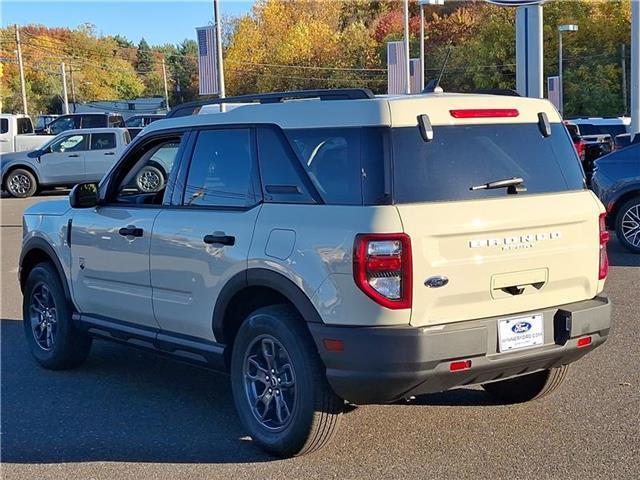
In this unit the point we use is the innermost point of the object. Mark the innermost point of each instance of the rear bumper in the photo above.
(384, 364)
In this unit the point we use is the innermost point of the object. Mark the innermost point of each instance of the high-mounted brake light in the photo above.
(485, 113)
(604, 238)
(382, 268)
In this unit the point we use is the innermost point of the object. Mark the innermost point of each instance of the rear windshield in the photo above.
(460, 157)
(590, 129)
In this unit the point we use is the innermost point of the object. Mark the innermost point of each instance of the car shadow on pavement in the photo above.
(122, 404)
(43, 193)
(620, 256)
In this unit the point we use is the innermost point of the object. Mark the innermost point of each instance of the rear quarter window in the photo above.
(4, 125)
(460, 157)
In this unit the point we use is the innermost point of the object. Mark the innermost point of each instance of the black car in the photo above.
(73, 121)
(616, 181)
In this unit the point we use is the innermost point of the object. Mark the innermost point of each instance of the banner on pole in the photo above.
(207, 65)
(396, 73)
(553, 91)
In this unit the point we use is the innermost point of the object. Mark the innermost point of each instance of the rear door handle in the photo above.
(110, 153)
(131, 231)
(220, 239)
(74, 155)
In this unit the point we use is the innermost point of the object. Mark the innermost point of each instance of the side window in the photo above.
(62, 125)
(103, 141)
(145, 180)
(221, 169)
(281, 182)
(71, 143)
(331, 157)
(24, 126)
(134, 122)
(93, 121)
(4, 125)
(116, 121)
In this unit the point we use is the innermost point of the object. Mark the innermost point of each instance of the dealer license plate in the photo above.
(521, 332)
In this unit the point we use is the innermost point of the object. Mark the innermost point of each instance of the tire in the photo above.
(628, 225)
(21, 183)
(150, 179)
(67, 347)
(314, 410)
(527, 387)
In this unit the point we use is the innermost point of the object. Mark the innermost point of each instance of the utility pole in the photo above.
(634, 109)
(21, 67)
(217, 20)
(65, 99)
(73, 89)
(166, 91)
(623, 66)
(407, 61)
(422, 60)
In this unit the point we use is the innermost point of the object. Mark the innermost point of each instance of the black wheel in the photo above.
(149, 179)
(527, 387)
(21, 183)
(51, 335)
(628, 225)
(279, 385)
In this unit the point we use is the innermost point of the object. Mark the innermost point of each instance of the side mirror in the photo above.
(84, 195)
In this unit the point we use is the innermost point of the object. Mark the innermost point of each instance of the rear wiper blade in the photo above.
(511, 184)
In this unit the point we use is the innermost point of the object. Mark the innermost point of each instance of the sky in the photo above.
(158, 21)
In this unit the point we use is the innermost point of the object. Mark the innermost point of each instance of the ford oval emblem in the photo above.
(436, 282)
(521, 327)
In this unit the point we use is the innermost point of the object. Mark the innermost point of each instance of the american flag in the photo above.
(207, 66)
(396, 74)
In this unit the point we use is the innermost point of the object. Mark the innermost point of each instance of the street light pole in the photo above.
(423, 66)
(407, 68)
(561, 29)
(221, 89)
(23, 89)
(65, 98)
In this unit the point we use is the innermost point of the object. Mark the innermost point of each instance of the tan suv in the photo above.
(332, 246)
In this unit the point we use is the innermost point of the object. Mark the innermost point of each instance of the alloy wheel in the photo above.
(631, 225)
(43, 316)
(269, 383)
(149, 181)
(19, 184)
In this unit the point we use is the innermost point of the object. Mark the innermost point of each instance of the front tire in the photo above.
(53, 339)
(279, 385)
(21, 183)
(628, 225)
(527, 387)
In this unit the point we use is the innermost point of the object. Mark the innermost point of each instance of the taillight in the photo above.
(382, 268)
(604, 238)
(484, 113)
(580, 148)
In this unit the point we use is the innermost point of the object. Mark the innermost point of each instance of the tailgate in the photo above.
(502, 255)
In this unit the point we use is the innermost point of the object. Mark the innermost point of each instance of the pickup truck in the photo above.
(16, 134)
(74, 156)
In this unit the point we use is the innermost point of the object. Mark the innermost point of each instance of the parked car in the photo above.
(74, 121)
(42, 121)
(624, 140)
(140, 121)
(589, 147)
(337, 247)
(616, 181)
(16, 134)
(74, 156)
(602, 125)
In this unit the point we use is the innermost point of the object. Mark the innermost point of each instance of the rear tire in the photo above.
(150, 179)
(21, 183)
(313, 410)
(628, 225)
(53, 339)
(527, 387)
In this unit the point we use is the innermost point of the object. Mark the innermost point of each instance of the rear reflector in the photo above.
(584, 341)
(485, 113)
(333, 345)
(460, 365)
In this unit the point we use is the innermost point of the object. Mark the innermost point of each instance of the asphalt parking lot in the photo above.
(127, 414)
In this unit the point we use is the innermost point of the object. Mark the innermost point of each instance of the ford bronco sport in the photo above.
(332, 246)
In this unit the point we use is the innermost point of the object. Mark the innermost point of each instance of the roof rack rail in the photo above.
(190, 108)
(498, 91)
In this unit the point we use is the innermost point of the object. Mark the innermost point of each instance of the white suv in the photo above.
(332, 246)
